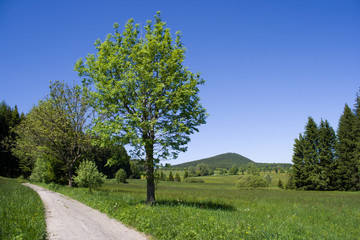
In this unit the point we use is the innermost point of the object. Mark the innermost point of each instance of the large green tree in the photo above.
(55, 130)
(347, 142)
(143, 94)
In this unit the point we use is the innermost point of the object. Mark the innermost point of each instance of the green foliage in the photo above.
(143, 94)
(204, 169)
(171, 177)
(177, 177)
(280, 184)
(88, 175)
(194, 180)
(56, 128)
(9, 119)
(120, 176)
(186, 175)
(234, 170)
(268, 179)
(251, 181)
(22, 213)
(252, 169)
(135, 170)
(40, 172)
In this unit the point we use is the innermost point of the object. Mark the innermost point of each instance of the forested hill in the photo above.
(227, 160)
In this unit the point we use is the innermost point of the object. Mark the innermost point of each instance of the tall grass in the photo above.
(216, 210)
(21, 212)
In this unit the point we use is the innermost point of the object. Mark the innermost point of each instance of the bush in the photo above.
(177, 178)
(280, 184)
(40, 172)
(268, 179)
(194, 180)
(171, 177)
(251, 181)
(120, 176)
(88, 175)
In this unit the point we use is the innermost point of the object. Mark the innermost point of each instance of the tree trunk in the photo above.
(70, 175)
(149, 162)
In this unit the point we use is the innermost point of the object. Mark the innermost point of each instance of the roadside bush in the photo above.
(251, 181)
(120, 176)
(40, 172)
(194, 180)
(88, 175)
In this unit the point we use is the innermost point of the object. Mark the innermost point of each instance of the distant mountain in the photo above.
(227, 160)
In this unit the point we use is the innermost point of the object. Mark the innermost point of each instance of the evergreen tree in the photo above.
(298, 173)
(186, 175)
(356, 177)
(177, 177)
(326, 154)
(345, 150)
(171, 176)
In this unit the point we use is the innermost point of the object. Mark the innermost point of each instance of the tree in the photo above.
(55, 129)
(252, 169)
(171, 176)
(88, 175)
(143, 94)
(345, 150)
(280, 184)
(9, 119)
(177, 177)
(135, 171)
(326, 155)
(120, 176)
(234, 170)
(186, 175)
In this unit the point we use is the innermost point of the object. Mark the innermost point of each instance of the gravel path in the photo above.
(68, 219)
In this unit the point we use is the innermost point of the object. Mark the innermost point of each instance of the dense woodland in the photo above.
(327, 160)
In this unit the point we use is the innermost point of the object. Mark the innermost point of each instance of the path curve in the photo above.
(68, 219)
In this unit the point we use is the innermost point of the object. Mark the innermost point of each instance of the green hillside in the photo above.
(227, 160)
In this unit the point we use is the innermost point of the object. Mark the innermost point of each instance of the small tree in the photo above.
(88, 175)
(120, 176)
(234, 170)
(280, 184)
(162, 176)
(177, 178)
(268, 179)
(171, 176)
(186, 175)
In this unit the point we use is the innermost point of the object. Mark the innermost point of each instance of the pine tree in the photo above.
(171, 176)
(356, 176)
(326, 155)
(345, 150)
(298, 169)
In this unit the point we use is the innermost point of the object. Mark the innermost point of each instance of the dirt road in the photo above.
(69, 219)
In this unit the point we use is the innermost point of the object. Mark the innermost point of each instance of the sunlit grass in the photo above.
(216, 210)
(21, 212)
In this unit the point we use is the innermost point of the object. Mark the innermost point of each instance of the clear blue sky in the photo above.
(268, 65)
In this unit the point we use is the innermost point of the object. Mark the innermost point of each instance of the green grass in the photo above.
(216, 210)
(21, 212)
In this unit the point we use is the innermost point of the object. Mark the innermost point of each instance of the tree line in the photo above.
(327, 160)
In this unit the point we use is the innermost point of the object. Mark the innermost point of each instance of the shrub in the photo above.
(280, 184)
(171, 177)
(40, 172)
(177, 178)
(120, 176)
(268, 178)
(88, 175)
(194, 180)
(251, 181)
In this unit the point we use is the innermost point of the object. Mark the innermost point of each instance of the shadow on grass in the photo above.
(197, 204)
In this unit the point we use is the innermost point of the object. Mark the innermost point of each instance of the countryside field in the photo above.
(216, 210)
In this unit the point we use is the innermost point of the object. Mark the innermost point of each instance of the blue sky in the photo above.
(268, 65)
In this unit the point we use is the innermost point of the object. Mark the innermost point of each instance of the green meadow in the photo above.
(217, 210)
(21, 212)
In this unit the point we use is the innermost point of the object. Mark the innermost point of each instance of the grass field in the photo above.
(216, 210)
(21, 212)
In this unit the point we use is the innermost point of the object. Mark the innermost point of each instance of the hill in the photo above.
(227, 160)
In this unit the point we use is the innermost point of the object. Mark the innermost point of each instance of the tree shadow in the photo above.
(198, 204)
